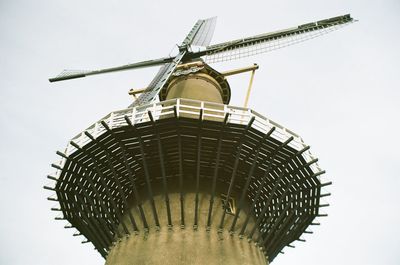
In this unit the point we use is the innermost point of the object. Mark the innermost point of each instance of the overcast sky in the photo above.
(340, 92)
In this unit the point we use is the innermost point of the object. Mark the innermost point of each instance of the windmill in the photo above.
(133, 182)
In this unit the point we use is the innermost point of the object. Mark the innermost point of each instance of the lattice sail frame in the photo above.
(279, 224)
(266, 44)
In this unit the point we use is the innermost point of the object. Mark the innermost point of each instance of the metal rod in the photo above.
(146, 172)
(101, 232)
(130, 174)
(299, 227)
(105, 237)
(101, 178)
(284, 227)
(180, 154)
(52, 178)
(264, 180)
(162, 166)
(115, 178)
(291, 199)
(278, 220)
(90, 235)
(196, 207)
(268, 202)
(281, 233)
(241, 70)
(234, 171)
(89, 178)
(322, 215)
(246, 101)
(107, 190)
(217, 161)
(91, 225)
(249, 176)
(325, 184)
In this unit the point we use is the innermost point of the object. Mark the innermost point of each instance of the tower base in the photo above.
(188, 244)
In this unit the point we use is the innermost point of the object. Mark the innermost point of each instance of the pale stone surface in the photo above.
(188, 245)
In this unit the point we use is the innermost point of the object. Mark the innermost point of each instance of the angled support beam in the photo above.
(264, 182)
(278, 220)
(116, 180)
(280, 234)
(198, 161)
(267, 204)
(130, 174)
(248, 180)
(299, 228)
(91, 228)
(103, 233)
(292, 201)
(146, 172)
(162, 166)
(106, 188)
(89, 178)
(217, 162)
(180, 158)
(234, 171)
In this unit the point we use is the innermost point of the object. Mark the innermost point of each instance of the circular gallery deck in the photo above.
(182, 164)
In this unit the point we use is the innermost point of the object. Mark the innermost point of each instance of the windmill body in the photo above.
(191, 179)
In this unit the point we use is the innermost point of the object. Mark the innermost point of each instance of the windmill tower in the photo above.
(191, 179)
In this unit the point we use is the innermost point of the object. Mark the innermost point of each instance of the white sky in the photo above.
(340, 92)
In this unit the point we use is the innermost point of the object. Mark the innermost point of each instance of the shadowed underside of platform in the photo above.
(271, 182)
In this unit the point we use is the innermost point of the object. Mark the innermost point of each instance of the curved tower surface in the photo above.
(189, 179)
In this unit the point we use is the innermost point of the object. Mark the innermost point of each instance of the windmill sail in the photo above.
(71, 74)
(200, 34)
(158, 81)
(271, 41)
(205, 33)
